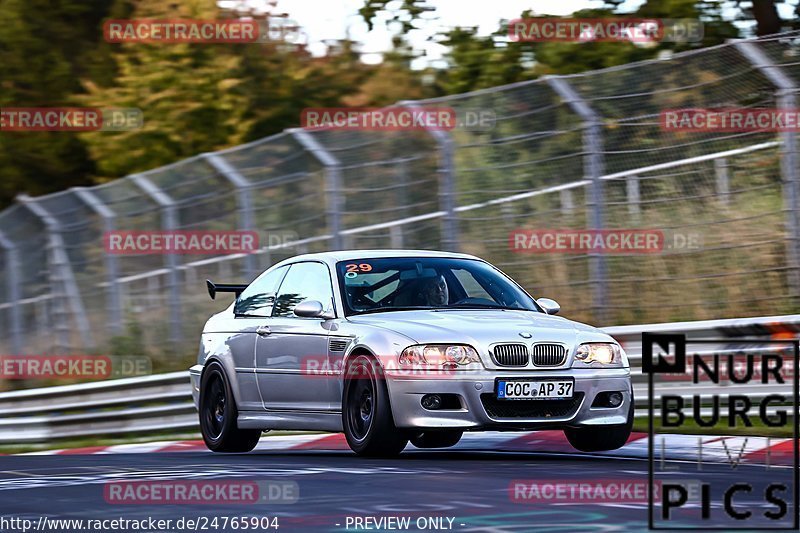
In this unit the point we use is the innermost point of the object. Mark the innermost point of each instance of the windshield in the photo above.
(404, 283)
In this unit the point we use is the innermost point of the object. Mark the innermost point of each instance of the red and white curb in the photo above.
(754, 450)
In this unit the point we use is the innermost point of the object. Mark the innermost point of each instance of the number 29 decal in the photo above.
(360, 267)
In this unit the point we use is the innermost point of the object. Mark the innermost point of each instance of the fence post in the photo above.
(62, 280)
(113, 298)
(722, 181)
(13, 289)
(244, 203)
(333, 175)
(790, 164)
(447, 184)
(634, 196)
(396, 233)
(169, 222)
(567, 203)
(593, 168)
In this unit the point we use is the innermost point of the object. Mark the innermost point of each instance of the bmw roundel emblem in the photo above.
(525, 335)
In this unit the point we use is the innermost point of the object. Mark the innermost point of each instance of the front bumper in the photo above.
(481, 410)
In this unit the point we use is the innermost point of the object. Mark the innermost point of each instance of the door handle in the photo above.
(263, 331)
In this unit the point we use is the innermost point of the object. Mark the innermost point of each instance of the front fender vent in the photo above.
(337, 345)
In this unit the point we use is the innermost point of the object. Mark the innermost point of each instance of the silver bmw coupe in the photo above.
(392, 346)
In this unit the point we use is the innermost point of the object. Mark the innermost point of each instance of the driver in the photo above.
(435, 292)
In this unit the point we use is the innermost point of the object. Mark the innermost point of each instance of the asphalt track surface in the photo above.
(471, 488)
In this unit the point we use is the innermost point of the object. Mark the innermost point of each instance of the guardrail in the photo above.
(163, 402)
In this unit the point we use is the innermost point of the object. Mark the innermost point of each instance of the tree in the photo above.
(188, 94)
(46, 48)
(767, 19)
(766, 15)
(406, 15)
(278, 84)
(476, 62)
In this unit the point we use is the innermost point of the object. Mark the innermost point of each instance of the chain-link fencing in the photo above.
(584, 151)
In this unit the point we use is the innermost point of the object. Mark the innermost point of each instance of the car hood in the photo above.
(482, 327)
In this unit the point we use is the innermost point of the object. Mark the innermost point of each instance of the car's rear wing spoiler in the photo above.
(214, 288)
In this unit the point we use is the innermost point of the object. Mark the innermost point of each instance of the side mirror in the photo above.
(311, 309)
(550, 307)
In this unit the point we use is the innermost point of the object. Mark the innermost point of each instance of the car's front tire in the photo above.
(601, 438)
(366, 413)
(218, 415)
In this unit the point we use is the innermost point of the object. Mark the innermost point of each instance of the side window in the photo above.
(257, 299)
(305, 281)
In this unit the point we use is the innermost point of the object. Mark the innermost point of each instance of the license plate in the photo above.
(534, 390)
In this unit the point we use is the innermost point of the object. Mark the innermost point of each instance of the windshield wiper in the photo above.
(393, 308)
(440, 308)
(484, 306)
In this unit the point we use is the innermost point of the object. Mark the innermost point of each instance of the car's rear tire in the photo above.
(218, 415)
(366, 413)
(436, 439)
(601, 438)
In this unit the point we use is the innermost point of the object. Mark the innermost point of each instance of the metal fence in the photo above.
(578, 151)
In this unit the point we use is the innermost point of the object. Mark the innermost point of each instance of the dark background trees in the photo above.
(197, 98)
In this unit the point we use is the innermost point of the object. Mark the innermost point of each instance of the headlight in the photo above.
(439, 355)
(606, 354)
